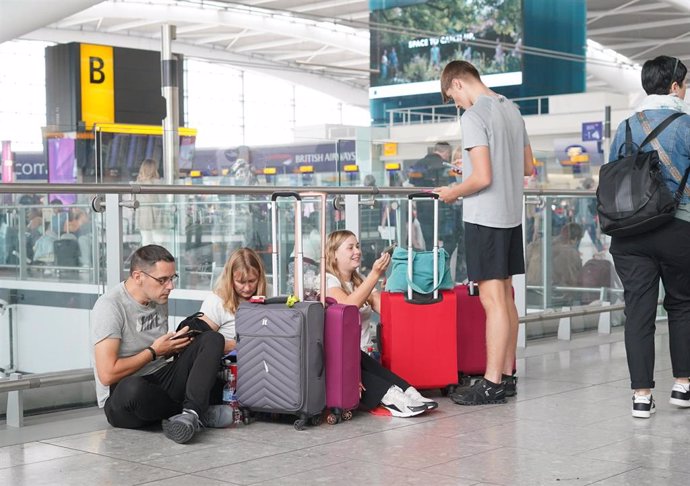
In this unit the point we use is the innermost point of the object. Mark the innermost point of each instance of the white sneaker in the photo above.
(680, 395)
(414, 394)
(400, 405)
(643, 406)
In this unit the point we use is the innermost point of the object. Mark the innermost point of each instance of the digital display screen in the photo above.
(412, 41)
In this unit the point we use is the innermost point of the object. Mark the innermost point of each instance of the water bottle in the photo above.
(229, 390)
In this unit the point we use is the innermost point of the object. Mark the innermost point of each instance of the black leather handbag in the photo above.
(632, 197)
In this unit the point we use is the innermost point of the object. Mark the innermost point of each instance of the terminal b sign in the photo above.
(97, 84)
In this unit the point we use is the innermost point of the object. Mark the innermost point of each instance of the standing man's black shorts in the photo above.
(493, 253)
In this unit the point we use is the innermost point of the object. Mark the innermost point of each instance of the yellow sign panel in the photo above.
(390, 149)
(97, 85)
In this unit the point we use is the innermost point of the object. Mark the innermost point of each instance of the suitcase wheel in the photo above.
(332, 419)
(316, 420)
(347, 415)
(299, 424)
(246, 417)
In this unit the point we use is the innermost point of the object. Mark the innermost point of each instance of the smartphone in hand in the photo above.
(389, 249)
(189, 334)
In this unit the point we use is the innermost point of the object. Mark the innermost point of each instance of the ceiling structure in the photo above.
(324, 44)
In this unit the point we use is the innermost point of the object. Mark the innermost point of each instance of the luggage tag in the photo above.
(257, 299)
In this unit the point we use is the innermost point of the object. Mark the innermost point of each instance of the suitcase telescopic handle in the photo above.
(299, 284)
(294, 195)
(422, 195)
(411, 197)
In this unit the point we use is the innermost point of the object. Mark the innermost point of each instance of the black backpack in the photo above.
(632, 197)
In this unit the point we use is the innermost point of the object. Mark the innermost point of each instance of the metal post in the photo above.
(15, 405)
(607, 132)
(352, 213)
(546, 261)
(113, 239)
(169, 88)
(604, 321)
(564, 329)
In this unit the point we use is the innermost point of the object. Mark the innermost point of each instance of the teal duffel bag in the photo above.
(422, 272)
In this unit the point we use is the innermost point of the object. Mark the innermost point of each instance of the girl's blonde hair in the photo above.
(148, 170)
(243, 263)
(334, 241)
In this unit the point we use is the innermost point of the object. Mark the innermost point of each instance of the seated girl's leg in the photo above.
(374, 367)
(376, 380)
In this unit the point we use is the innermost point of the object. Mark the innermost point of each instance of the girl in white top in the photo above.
(243, 277)
(347, 286)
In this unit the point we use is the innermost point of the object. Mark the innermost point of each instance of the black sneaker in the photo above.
(483, 392)
(680, 395)
(510, 384)
(643, 406)
(181, 427)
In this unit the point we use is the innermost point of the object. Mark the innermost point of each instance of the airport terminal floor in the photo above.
(569, 424)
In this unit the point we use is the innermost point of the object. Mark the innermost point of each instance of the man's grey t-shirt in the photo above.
(495, 121)
(117, 315)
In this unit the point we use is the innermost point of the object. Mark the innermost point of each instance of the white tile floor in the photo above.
(569, 424)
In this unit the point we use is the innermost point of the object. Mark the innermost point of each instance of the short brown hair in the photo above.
(454, 70)
(147, 256)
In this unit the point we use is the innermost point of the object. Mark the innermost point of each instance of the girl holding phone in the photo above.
(347, 286)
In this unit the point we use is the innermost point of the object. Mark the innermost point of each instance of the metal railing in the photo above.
(17, 383)
(531, 105)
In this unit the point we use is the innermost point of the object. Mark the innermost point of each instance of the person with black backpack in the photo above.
(643, 254)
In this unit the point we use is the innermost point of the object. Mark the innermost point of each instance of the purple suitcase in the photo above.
(342, 331)
(341, 338)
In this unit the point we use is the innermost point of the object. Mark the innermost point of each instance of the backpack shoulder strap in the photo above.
(663, 156)
(653, 134)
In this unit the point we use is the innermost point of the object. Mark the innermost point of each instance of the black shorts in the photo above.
(493, 253)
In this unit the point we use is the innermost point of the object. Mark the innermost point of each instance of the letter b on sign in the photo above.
(96, 74)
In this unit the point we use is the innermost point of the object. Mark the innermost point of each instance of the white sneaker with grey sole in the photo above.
(401, 405)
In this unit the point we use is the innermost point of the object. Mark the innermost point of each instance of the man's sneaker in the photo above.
(218, 416)
(483, 392)
(181, 427)
(643, 406)
(401, 405)
(680, 395)
(418, 397)
(510, 384)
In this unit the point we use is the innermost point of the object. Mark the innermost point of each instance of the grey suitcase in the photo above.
(280, 365)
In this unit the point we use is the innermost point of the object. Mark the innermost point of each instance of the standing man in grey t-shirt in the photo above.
(497, 157)
(135, 383)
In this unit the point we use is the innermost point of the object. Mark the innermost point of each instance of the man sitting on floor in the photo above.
(136, 384)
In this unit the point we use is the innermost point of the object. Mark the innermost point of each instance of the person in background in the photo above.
(347, 286)
(243, 277)
(431, 171)
(148, 216)
(136, 385)
(662, 254)
(497, 157)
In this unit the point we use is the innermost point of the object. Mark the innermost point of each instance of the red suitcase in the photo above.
(471, 321)
(418, 339)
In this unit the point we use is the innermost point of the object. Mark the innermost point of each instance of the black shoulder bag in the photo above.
(632, 197)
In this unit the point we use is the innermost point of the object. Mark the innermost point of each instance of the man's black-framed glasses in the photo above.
(163, 280)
